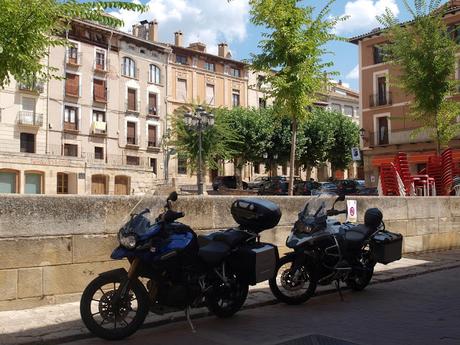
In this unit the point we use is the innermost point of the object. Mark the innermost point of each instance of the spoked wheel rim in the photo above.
(112, 314)
(293, 283)
(229, 295)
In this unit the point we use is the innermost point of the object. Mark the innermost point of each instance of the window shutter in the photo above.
(152, 136)
(152, 103)
(72, 84)
(99, 90)
(181, 90)
(132, 99)
(131, 133)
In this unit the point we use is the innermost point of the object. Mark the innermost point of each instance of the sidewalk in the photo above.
(57, 324)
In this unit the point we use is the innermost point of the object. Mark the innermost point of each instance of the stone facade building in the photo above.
(387, 127)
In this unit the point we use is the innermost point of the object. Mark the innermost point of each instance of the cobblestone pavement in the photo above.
(60, 323)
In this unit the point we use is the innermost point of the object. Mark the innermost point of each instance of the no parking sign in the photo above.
(352, 211)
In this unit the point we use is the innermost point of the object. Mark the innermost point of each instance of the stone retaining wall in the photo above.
(52, 246)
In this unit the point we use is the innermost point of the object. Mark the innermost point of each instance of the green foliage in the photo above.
(29, 27)
(294, 46)
(424, 52)
(218, 141)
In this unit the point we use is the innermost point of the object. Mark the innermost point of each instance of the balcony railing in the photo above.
(130, 108)
(30, 118)
(100, 65)
(99, 127)
(32, 87)
(132, 141)
(71, 126)
(378, 100)
(153, 144)
(374, 140)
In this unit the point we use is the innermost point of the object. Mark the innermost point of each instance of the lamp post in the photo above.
(199, 121)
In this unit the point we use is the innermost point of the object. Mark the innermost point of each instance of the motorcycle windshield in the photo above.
(318, 205)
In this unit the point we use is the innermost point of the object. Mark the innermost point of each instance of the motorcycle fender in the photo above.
(116, 272)
(120, 253)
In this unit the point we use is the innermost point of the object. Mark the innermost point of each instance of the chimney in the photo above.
(198, 46)
(136, 30)
(223, 50)
(178, 38)
(153, 31)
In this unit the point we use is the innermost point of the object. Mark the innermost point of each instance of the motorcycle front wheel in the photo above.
(226, 299)
(292, 286)
(109, 318)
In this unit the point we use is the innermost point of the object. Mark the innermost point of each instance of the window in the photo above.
(210, 94)
(132, 160)
(154, 74)
(99, 90)
(382, 90)
(27, 142)
(129, 67)
(181, 165)
(70, 118)
(256, 168)
(33, 183)
(236, 98)
(98, 116)
(382, 130)
(98, 152)
(9, 181)
(378, 54)
(72, 55)
(234, 72)
(348, 110)
(153, 165)
(152, 131)
(181, 90)
(132, 100)
(153, 100)
(28, 115)
(70, 150)
(72, 85)
(336, 107)
(131, 133)
(262, 103)
(100, 60)
(62, 183)
(454, 32)
(181, 59)
(210, 66)
(261, 79)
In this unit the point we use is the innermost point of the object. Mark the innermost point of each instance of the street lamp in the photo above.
(199, 121)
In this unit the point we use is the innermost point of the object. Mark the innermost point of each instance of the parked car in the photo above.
(257, 182)
(305, 187)
(227, 182)
(277, 185)
(347, 187)
(326, 188)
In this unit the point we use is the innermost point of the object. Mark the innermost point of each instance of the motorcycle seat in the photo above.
(354, 237)
(213, 252)
(231, 237)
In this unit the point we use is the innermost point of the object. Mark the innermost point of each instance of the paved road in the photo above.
(416, 311)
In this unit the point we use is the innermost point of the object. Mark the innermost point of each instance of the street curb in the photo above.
(76, 337)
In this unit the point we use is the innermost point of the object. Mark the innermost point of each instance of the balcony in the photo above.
(152, 112)
(70, 127)
(99, 128)
(133, 108)
(379, 100)
(100, 66)
(374, 140)
(153, 145)
(73, 60)
(132, 143)
(30, 118)
(34, 87)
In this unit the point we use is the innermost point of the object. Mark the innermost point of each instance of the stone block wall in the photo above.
(52, 246)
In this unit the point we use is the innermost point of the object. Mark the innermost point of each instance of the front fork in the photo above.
(132, 274)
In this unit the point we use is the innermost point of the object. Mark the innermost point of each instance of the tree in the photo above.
(254, 128)
(29, 27)
(424, 52)
(217, 141)
(293, 46)
(345, 136)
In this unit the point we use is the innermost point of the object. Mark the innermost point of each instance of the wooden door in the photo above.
(98, 185)
(121, 185)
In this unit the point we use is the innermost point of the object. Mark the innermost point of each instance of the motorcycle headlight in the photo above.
(128, 241)
(301, 227)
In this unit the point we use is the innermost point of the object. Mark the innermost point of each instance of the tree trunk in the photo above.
(308, 172)
(238, 168)
(292, 161)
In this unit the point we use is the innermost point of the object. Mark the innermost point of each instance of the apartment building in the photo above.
(344, 100)
(384, 120)
(97, 129)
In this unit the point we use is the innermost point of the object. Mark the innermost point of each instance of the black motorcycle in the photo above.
(180, 269)
(326, 251)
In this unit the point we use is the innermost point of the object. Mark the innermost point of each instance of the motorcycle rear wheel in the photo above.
(291, 289)
(360, 280)
(225, 300)
(113, 321)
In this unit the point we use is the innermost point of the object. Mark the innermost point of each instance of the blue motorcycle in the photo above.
(180, 270)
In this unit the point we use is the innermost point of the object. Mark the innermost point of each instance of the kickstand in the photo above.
(337, 285)
(189, 319)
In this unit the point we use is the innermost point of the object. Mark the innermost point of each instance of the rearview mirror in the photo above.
(172, 196)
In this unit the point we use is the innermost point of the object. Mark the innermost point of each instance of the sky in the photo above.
(215, 21)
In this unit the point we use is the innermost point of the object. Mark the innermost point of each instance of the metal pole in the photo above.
(199, 177)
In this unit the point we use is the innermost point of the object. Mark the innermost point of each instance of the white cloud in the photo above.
(354, 73)
(207, 21)
(362, 15)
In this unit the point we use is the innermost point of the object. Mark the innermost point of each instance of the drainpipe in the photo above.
(47, 104)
